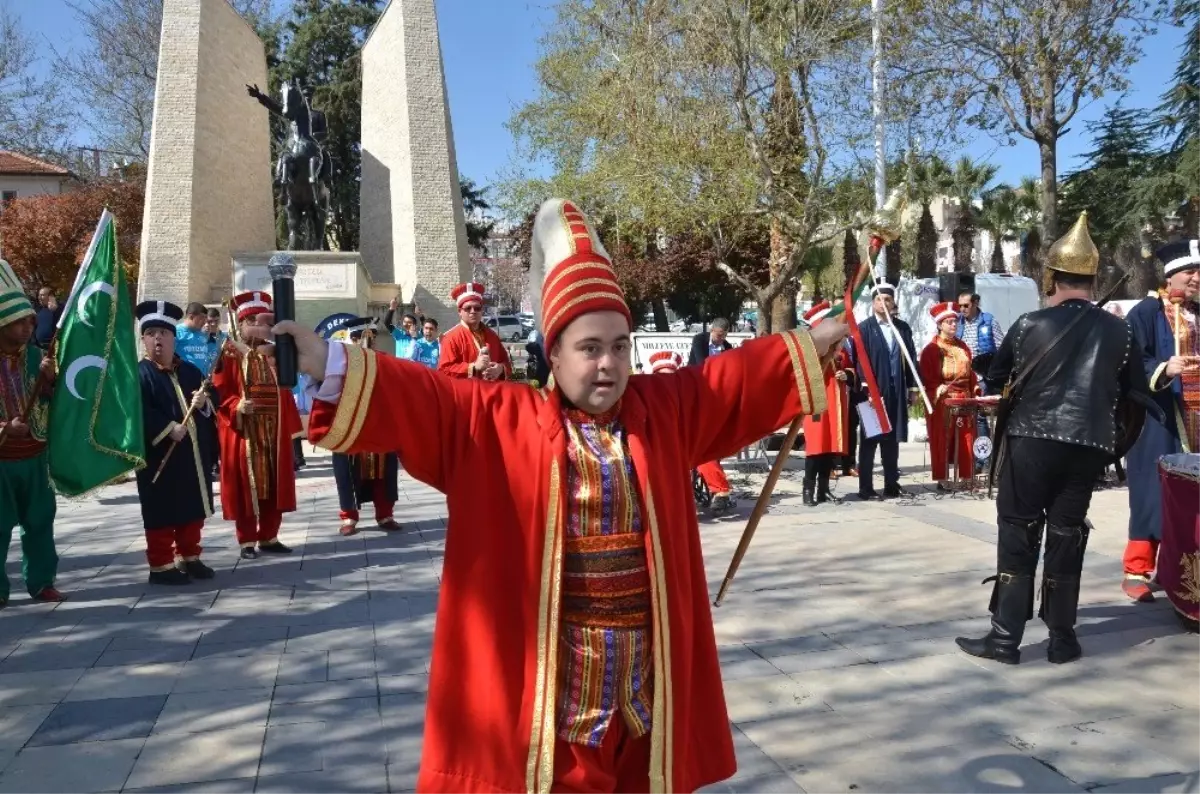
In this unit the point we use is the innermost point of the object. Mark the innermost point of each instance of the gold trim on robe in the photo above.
(806, 366)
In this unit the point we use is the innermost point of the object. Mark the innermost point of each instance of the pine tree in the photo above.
(927, 238)
(322, 47)
(1179, 112)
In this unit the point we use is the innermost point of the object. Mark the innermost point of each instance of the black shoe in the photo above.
(171, 576)
(197, 569)
(986, 648)
(721, 505)
(1065, 547)
(827, 496)
(1064, 647)
(868, 496)
(809, 499)
(274, 547)
(894, 492)
(248, 553)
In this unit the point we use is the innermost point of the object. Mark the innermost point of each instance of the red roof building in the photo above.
(22, 175)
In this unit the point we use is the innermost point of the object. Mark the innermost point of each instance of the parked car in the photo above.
(508, 326)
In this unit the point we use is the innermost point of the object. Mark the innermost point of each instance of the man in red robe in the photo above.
(574, 648)
(826, 437)
(471, 349)
(256, 422)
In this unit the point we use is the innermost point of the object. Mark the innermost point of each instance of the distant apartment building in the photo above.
(22, 176)
(945, 211)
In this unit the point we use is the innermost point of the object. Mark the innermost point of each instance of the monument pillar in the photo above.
(208, 186)
(412, 229)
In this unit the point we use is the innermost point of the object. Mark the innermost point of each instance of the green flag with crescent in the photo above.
(96, 432)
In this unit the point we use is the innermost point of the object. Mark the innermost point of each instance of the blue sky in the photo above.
(489, 48)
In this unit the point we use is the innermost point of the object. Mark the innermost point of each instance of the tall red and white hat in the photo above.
(665, 361)
(817, 313)
(943, 311)
(465, 294)
(570, 273)
(248, 304)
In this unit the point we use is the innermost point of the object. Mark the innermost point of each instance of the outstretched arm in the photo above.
(264, 100)
(742, 395)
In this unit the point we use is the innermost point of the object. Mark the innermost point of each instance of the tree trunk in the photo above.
(926, 245)
(1031, 256)
(998, 258)
(765, 310)
(892, 273)
(783, 316)
(1049, 154)
(659, 308)
(850, 257)
(963, 242)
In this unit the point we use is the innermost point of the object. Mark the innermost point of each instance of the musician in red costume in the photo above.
(665, 361)
(945, 366)
(256, 422)
(471, 349)
(826, 436)
(574, 648)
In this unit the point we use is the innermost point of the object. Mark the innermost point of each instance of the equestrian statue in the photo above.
(304, 170)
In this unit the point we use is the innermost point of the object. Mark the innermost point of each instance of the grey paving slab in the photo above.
(82, 767)
(1159, 784)
(310, 673)
(243, 785)
(99, 720)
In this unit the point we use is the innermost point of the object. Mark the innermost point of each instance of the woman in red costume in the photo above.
(946, 370)
(574, 648)
(826, 437)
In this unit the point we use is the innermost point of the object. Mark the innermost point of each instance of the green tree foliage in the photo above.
(1107, 188)
(479, 226)
(966, 184)
(1024, 67)
(321, 45)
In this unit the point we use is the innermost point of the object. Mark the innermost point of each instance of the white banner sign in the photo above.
(647, 344)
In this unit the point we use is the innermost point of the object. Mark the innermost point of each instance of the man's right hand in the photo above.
(483, 360)
(17, 429)
(1177, 365)
(178, 433)
(827, 334)
(311, 349)
(394, 305)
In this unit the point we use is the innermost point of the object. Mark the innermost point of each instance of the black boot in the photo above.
(171, 576)
(1060, 590)
(810, 480)
(196, 569)
(1012, 607)
(823, 492)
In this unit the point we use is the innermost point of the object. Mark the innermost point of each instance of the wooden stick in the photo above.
(760, 507)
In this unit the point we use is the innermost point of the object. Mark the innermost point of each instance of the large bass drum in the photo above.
(1179, 553)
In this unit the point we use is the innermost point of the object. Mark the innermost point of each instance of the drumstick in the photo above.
(1176, 298)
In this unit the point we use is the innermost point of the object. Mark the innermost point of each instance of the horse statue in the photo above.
(304, 170)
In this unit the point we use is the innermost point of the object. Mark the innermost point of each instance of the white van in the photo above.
(1004, 297)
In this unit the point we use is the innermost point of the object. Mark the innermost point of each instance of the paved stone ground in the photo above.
(308, 673)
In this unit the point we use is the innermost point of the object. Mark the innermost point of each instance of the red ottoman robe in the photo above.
(945, 367)
(498, 451)
(237, 495)
(460, 348)
(829, 433)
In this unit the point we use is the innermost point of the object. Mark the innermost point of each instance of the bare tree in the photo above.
(112, 77)
(1025, 67)
(31, 111)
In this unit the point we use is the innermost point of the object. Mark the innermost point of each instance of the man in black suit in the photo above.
(882, 335)
(710, 343)
(713, 474)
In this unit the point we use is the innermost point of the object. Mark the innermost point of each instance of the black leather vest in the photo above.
(1073, 391)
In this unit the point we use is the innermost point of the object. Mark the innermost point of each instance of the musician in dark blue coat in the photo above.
(366, 477)
(1174, 375)
(175, 506)
(882, 335)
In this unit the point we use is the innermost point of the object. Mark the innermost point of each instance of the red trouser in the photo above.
(262, 529)
(164, 543)
(383, 508)
(1141, 557)
(620, 763)
(714, 477)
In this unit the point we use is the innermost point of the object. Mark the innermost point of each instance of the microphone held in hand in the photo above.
(282, 268)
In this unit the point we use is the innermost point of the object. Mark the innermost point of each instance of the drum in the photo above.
(1179, 552)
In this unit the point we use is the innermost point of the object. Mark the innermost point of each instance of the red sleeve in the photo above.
(930, 365)
(394, 405)
(738, 397)
(454, 360)
(228, 382)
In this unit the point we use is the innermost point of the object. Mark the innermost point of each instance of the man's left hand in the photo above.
(311, 349)
(828, 334)
(48, 369)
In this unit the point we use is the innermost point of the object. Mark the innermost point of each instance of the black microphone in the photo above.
(282, 268)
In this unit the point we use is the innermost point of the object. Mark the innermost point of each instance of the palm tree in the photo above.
(927, 179)
(1029, 226)
(998, 216)
(967, 184)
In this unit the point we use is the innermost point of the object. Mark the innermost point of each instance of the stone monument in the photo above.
(208, 185)
(412, 229)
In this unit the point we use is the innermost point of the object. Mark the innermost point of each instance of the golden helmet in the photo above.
(1073, 253)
